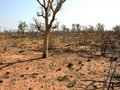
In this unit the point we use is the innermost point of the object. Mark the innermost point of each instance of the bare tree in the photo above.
(48, 8)
(78, 28)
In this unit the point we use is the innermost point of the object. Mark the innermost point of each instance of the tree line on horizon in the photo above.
(23, 27)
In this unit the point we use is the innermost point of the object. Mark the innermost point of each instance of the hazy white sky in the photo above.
(84, 12)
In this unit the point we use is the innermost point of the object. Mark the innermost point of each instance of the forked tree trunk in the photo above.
(45, 46)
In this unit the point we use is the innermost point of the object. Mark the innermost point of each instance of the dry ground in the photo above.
(22, 68)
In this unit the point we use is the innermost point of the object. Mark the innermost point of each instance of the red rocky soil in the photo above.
(22, 68)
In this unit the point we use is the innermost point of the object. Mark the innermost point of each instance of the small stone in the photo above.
(82, 64)
(41, 86)
(58, 69)
(25, 78)
(89, 72)
(7, 73)
(27, 68)
(88, 60)
(104, 70)
(82, 74)
(21, 51)
(30, 88)
(79, 62)
(35, 74)
(95, 86)
(22, 75)
(44, 77)
(70, 65)
(1, 81)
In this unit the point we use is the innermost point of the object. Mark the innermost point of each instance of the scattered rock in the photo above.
(90, 57)
(82, 64)
(82, 74)
(35, 74)
(95, 86)
(79, 62)
(1, 81)
(44, 77)
(104, 70)
(25, 78)
(58, 69)
(89, 72)
(27, 68)
(30, 88)
(88, 60)
(70, 65)
(22, 75)
(21, 51)
(7, 73)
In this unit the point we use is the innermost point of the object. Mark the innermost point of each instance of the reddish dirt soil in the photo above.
(22, 68)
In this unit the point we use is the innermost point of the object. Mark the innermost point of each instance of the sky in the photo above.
(83, 12)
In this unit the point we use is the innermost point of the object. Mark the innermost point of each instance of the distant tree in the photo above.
(91, 28)
(63, 27)
(116, 28)
(100, 27)
(48, 8)
(22, 26)
(67, 29)
(78, 28)
(73, 27)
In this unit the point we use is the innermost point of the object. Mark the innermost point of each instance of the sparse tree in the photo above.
(73, 27)
(67, 29)
(49, 9)
(91, 29)
(78, 28)
(116, 28)
(63, 27)
(22, 26)
(100, 27)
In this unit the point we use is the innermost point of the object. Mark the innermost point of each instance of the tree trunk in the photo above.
(45, 46)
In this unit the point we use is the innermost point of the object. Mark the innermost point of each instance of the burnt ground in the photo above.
(66, 68)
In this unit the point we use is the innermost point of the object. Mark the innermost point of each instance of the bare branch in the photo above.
(58, 7)
(44, 3)
(56, 25)
(51, 5)
(41, 14)
(37, 26)
(41, 4)
(48, 4)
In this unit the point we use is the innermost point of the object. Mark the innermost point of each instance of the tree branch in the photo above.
(38, 26)
(40, 15)
(44, 3)
(48, 4)
(51, 5)
(56, 25)
(59, 5)
(41, 4)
